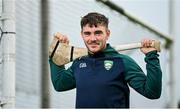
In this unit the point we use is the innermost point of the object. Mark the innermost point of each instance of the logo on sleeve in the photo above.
(108, 64)
(82, 65)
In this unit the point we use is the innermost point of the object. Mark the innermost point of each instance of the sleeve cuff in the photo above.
(151, 55)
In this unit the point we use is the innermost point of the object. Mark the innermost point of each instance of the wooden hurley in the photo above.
(62, 53)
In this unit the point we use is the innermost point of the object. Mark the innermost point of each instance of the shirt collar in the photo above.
(103, 52)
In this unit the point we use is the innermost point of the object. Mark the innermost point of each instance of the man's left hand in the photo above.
(146, 46)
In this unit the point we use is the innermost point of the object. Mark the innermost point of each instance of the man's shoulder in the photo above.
(79, 59)
(125, 58)
(120, 55)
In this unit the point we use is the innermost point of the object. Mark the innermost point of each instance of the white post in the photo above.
(45, 89)
(8, 41)
(173, 97)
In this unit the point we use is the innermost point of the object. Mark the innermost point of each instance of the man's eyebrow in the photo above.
(98, 32)
(86, 32)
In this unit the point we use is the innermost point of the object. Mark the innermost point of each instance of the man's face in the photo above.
(95, 37)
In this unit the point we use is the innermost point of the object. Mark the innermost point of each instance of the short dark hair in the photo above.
(94, 19)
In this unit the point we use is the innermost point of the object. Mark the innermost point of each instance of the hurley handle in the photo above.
(62, 53)
(156, 44)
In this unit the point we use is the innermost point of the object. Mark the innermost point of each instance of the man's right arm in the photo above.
(62, 79)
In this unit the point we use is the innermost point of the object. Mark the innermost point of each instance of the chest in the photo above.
(99, 72)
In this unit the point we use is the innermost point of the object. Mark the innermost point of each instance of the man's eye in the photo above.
(87, 33)
(98, 32)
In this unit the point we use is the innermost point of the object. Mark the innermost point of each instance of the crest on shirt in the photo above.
(108, 64)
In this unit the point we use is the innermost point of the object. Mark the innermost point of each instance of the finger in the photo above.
(62, 38)
(58, 35)
(150, 42)
(55, 35)
(146, 43)
(66, 40)
(143, 42)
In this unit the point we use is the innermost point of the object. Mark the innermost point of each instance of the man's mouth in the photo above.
(94, 44)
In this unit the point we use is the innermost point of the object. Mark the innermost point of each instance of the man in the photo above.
(102, 77)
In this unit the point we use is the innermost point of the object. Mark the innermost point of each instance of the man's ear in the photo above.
(81, 33)
(108, 32)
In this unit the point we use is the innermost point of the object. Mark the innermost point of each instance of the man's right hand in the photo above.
(62, 38)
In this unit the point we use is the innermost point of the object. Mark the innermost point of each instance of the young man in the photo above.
(102, 77)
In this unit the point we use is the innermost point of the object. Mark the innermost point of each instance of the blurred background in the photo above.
(27, 27)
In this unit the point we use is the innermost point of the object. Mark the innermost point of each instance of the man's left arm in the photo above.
(148, 85)
(154, 73)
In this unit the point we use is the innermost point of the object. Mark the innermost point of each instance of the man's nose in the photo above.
(93, 38)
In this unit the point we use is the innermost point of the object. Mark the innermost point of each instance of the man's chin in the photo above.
(94, 50)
